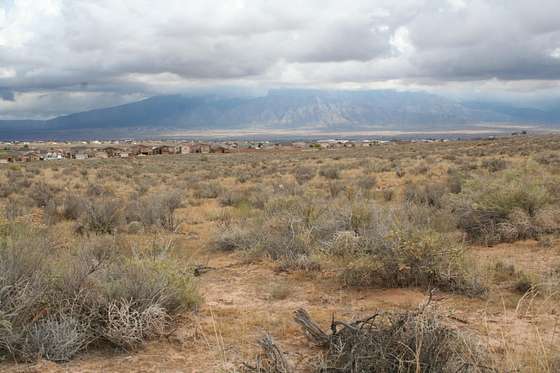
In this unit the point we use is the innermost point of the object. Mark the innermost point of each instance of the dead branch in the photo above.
(271, 360)
(311, 329)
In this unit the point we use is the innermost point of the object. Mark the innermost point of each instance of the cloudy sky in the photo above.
(61, 56)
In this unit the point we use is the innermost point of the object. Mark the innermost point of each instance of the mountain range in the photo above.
(316, 111)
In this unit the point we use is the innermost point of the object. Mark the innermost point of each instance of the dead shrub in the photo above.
(387, 341)
(128, 328)
(398, 341)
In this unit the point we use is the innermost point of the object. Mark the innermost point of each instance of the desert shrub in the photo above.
(494, 165)
(506, 208)
(72, 207)
(232, 198)
(234, 237)
(14, 208)
(304, 174)
(454, 182)
(335, 187)
(367, 182)
(523, 283)
(55, 303)
(41, 193)
(148, 281)
(409, 258)
(367, 245)
(378, 165)
(6, 189)
(56, 337)
(157, 210)
(128, 327)
(329, 172)
(51, 213)
(208, 190)
(504, 272)
(431, 194)
(103, 215)
(421, 169)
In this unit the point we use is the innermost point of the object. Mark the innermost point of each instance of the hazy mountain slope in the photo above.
(283, 109)
(345, 110)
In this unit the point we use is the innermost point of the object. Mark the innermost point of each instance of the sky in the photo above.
(63, 56)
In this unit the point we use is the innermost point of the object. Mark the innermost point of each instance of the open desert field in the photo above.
(400, 257)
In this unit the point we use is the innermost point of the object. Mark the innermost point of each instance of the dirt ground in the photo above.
(238, 308)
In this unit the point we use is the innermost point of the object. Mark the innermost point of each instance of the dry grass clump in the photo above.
(56, 302)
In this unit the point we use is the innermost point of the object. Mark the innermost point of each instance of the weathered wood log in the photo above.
(310, 328)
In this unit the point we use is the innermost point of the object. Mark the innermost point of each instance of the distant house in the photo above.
(30, 157)
(53, 156)
(200, 148)
(218, 149)
(78, 152)
(185, 148)
(163, 149)
(112, 151)
(140, 150)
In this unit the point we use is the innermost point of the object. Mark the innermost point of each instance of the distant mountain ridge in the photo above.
(316, 110)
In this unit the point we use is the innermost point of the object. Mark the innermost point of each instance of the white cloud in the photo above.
(133, 48)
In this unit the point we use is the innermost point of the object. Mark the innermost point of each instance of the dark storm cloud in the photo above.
(132, 47)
